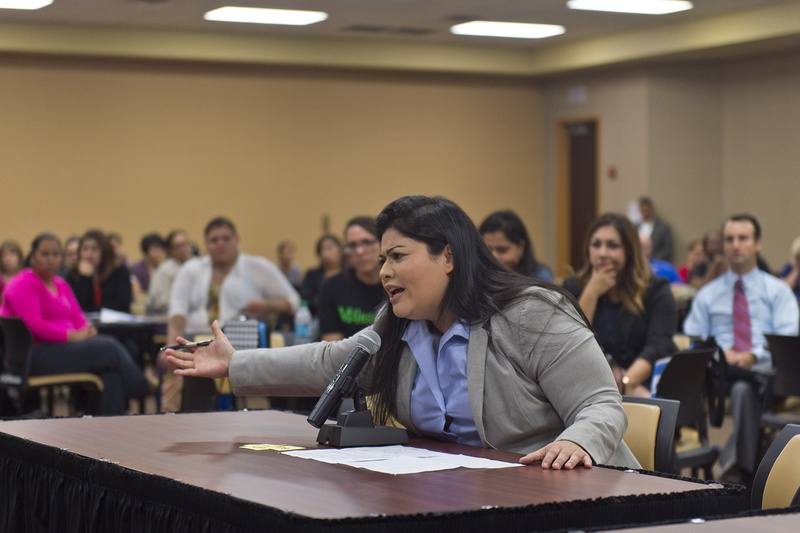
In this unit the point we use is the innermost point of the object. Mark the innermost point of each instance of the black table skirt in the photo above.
(43, 488)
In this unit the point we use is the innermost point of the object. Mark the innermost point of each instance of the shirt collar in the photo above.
(419, 329)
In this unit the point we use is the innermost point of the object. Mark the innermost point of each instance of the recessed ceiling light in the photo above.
(24, 4)
(641, 7)
(257, 15)
(507, 29)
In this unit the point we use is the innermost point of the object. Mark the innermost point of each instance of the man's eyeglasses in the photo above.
(363, 245)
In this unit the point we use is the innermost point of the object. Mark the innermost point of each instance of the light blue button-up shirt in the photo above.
(439, 399)
(772, 305)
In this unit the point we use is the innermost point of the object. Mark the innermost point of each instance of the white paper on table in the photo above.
(397, 459)
(111, 316)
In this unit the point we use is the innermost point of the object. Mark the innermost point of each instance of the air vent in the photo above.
(363, 28)
(413, 31)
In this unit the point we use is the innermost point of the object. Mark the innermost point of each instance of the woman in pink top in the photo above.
(64, 341)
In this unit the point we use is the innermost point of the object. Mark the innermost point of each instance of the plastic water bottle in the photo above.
(302, 324)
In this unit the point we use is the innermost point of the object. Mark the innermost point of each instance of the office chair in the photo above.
(16, 378)
(786, 382)
(651, 431)
(684, 380)
(777, 480)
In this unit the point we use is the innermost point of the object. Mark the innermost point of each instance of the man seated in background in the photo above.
(737, 308)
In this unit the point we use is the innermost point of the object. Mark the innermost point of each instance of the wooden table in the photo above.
(193, 465)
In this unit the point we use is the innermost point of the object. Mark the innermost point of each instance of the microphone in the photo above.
(344, 381)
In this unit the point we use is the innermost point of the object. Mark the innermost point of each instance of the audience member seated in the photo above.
(737, 308)
(329, 251)
(70, 259)
(349, 300)
(506, 236)
(290, 269)
(115, 240)
(633, 313)
(11, 262)
(694, 257)
(153, 252)
(64, 341)
(179, 250)
(714, 264)
(790, 273)
(100, 280)
(224, 285)
(660, 268)
(659, 231)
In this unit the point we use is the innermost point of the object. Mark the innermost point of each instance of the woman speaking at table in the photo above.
(471, 352)
(64, 342)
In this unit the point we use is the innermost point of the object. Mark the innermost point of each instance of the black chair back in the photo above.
(684, 379)
(198, 395)
(18, 345)
(786, 360)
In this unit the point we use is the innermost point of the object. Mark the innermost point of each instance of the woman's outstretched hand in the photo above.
(559, 454)
(210, 361)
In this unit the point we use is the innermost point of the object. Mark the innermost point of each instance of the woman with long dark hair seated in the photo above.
(507, 238)
(100, 279)
(633, 313)
(471, 352)
(64, 341)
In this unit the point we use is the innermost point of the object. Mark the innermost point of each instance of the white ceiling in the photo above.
(419, 21)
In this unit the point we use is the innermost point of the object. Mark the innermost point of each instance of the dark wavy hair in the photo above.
(108, 258)
(511, 225)
(479, 286)
(38, 240)
(636, 274)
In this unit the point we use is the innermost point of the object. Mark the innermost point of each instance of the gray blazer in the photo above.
(536, 375)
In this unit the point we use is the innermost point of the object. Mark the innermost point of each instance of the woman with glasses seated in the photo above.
(348, 301)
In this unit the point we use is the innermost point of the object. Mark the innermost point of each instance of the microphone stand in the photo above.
(356, 428)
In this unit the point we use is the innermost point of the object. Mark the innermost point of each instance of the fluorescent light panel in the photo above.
(517, 30)
(641, 7)
(257, 15)
(24, 4)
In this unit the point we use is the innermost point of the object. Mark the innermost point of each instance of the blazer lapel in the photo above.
(407, 371)
(476, 366)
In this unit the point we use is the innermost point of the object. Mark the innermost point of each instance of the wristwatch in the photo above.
(625, 380)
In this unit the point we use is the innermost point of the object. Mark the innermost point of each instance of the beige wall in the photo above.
(761, 145)
(684, 173)
(704, 141)
(136, 147)
(618, 101)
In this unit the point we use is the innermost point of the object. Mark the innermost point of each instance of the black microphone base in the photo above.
(344, 437)
(355, 428)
